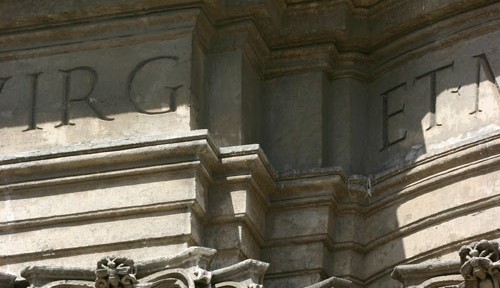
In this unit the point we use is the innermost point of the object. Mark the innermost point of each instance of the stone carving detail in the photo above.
(7, 280)
(188, 269)
(481, 264)
(115, 272)
(479, 267)
(232, 284)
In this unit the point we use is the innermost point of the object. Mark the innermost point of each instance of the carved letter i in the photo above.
(34, 94)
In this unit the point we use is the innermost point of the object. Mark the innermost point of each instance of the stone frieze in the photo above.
(188, 269)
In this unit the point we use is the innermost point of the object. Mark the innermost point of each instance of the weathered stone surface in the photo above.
(233, 90)
(7, 280)
(478, 267)
(186, 269)
(343, 138)
(428, 274)
(293, 118)
(481, 264)
(99, 94)
(447, 96)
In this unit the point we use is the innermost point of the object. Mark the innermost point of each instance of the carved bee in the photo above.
(115, 274)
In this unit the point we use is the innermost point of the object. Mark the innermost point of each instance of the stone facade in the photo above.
(302, 142)
(479, 266)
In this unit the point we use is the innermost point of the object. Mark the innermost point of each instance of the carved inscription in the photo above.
(138, 100)
(433, 92)
(483, 65)
(148, 90)
(386, 116)
(66, 98)
(3, 81)
(34, 92)
(482, 61)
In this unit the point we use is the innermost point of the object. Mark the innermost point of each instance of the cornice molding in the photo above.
(359, 43)
(424, 270)
(188, 269)
(477, 267)
(246, 164)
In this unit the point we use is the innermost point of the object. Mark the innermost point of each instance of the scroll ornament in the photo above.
(188, 269)
(115, 272)
(480, 264)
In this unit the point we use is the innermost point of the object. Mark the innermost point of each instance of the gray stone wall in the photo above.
(327, 138)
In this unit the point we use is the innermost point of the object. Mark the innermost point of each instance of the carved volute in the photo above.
(481, 264)
(115, 272)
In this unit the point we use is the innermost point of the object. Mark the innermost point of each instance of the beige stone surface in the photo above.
(343, 138)
(299, 222)
(293, 114)
(101, 195)
(40, 240)
(456, 91)
(120, 88)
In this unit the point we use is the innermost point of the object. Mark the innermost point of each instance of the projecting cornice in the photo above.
(479, 266)
(249, 164)
(188, 269)
(358, 39)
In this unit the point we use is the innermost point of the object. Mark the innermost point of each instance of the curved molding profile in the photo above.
(188, 269)
(247, 272)
(70, 283)
(7, 280)
(275, 26)
(332, 282)
(479, 266)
